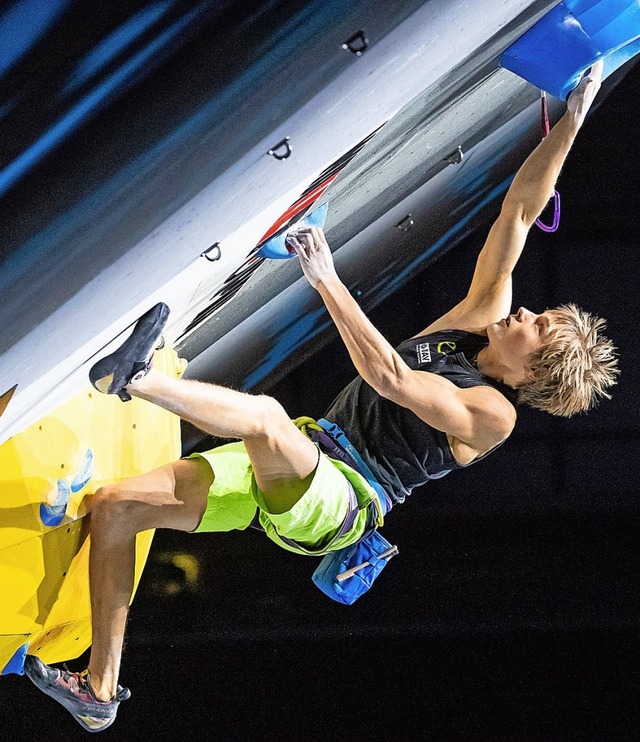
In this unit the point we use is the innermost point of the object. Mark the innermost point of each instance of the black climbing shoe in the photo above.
(132, 360)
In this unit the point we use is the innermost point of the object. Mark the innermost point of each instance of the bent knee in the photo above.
(112, 508)
(270, 417)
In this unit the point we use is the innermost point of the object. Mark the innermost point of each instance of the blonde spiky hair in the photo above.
(574, 368)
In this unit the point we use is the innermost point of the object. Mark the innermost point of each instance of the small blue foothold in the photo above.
(84, 473)
(15, 666)
(52, 515)
(276, 247)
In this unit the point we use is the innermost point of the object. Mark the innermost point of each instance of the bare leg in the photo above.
(283, 458)
(175, 496)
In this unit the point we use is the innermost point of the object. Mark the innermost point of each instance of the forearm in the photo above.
(527, 196)
(372, 355)
(534, 183)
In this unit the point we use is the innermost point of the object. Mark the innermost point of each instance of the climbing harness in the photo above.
(346, 574)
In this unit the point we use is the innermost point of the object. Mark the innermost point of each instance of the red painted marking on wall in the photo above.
(298, 206)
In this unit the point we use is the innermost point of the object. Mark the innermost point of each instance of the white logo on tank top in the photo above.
(424, 353)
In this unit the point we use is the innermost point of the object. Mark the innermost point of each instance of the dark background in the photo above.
(512, 610)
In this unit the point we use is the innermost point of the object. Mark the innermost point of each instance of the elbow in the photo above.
(391, 383)
(524, 210)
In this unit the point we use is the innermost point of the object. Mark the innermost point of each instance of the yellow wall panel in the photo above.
(44, 571)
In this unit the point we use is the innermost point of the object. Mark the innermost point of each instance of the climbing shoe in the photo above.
(73, 690)
(132, 360)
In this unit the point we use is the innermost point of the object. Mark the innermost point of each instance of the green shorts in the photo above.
(313, 522)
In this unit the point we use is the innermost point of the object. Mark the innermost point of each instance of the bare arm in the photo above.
(489, 296)
(479, 417)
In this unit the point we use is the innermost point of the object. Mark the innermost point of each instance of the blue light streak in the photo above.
(89, 104)
(22, 25)
(115, 44)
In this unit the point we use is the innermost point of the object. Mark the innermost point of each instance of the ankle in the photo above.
(103, 688)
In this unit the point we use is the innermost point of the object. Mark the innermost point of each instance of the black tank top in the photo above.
(401, 450)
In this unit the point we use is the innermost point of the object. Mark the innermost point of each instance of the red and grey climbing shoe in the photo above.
(73, 690)
(132, 360)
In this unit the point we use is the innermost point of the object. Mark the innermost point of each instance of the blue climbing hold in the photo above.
(15, 666)
(555, 53)
(276, 247)
(52, 515)
(85, 472)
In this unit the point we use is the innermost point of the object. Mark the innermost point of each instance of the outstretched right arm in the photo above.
(490, 294)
